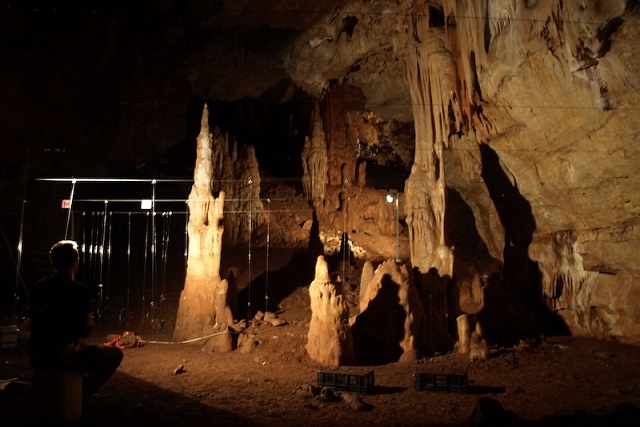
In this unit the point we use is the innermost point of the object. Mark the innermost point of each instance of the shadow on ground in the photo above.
(125, 401)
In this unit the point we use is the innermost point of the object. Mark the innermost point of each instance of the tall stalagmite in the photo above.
(203, 304)
(329, 339)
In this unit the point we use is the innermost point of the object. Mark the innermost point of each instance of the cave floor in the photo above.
(550, 381)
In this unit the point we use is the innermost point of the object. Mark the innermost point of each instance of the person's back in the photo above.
(59, 310)
(61, 315)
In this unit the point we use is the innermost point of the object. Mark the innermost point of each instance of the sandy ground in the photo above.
(550, 381)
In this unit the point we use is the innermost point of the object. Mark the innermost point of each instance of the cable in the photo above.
(190, 340)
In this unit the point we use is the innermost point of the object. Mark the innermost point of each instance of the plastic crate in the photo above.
(346, 379)
(440, 382)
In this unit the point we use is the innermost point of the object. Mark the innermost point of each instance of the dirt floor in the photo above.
(551, 381)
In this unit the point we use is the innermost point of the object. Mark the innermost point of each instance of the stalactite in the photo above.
(340, 151)
(314, 160)
(430, 73)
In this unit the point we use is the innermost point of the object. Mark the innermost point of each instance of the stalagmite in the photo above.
(203, 306)
(462, 322)
(391, 322)
(471, 301)
(365, 278)
(240, 180)
(329, 339)
(478, 347)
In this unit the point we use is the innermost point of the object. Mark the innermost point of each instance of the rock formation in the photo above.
(431, 77)
(329, 339)
(238, 177)
(471, 302)
(314, 160)
(203, 306)
(365, 278)
(391, 323)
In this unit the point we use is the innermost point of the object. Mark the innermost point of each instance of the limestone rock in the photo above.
(329, 339)
(391, 322)
(365, 279)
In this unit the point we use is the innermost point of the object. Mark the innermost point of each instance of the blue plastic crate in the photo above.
(440, 382)
(347, 379)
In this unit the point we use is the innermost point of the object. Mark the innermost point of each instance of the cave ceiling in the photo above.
(128, 80)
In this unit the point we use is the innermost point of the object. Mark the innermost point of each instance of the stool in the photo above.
(57, 396)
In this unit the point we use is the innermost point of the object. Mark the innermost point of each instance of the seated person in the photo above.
(61, 314)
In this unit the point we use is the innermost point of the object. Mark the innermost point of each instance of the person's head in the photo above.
(64, 256)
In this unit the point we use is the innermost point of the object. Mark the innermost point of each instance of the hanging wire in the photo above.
(20, 237)
(83, 244)
(266, 285)
(107, 281)
(128, 259)
(166, 229)
(73, 188)
(144, 265)
(101, 268)
(88, 271)
(94, 244)
(154, 272)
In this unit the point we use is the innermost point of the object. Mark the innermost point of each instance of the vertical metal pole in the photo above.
(73, 188)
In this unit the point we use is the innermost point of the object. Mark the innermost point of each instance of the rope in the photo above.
(190, 340)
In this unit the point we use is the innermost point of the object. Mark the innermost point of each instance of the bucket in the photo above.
(8, 336)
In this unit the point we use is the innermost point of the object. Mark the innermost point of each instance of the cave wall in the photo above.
(550, 89)
(529, 107)
(533, 102)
